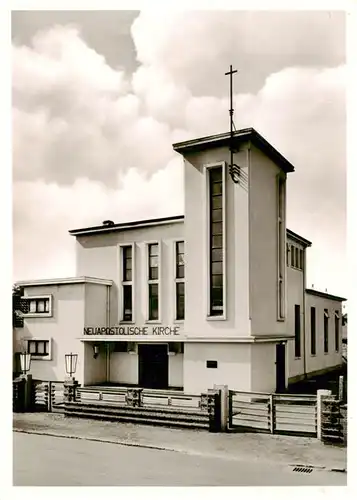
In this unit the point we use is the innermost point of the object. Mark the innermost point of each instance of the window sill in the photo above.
(153, 322)
(125, 322)
(179, 321)
(313, 355)
(40, 358)
(297, 358)
(216, 318)
(37, 315)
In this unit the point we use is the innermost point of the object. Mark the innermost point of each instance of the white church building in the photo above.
(216, 296)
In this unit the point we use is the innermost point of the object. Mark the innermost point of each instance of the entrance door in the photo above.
(153, 366)
(280, 368)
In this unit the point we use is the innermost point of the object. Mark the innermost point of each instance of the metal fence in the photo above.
(47, 396)
(273, 413)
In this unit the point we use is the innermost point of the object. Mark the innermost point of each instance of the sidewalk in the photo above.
(286, 450)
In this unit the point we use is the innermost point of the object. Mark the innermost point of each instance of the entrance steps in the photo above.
(171, 417)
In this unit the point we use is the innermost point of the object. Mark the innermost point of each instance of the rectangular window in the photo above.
(313, 330)
(153, 301)
(281, 230)
(301, 259)
(38, 347)
(39, 305)
(297, 332)
(292, 256)
(127, 283)
(153, 261)
(215, 179)
(337, 331)
(179, 280)
(287, 254)
(326, 317)
(153, 280)
(180, 301)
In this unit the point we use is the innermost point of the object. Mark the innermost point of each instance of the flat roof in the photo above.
(324, 295)
(107, 228)
(298, 238)
(239, 136)
(65, 281)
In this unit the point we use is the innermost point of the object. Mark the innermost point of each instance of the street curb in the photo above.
(162, 448)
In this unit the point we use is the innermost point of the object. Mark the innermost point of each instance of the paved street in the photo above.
(54, 461)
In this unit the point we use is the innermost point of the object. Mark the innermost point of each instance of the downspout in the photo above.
(249, 234)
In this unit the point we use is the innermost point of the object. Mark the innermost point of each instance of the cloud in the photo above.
(92, 143)
(44, 212)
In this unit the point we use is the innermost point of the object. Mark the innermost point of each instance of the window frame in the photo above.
(149, 281)
(281, 245)
(178, 280)
(123, 283)
(297, 338)
(337, 331)
(37, 314)
(39, 357)
(313, 331)
(326, 331)
(207, 168)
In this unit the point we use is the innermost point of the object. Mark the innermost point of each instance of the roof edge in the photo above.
(127, 225)
(298, 238)
(64, 281)
(312, 291)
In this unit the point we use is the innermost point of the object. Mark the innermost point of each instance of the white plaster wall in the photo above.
(263, 237)
(233, 366)
(95, 305)
(63, 329)
(295, 290)
(322, 361)
(263, 376)
(176, 370)
(95, 369)
(98, 256)
(237, 319)
(124, 368)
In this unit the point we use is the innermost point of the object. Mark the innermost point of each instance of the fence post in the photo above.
(321, 393)
(340, 387)
(49, 405)
(272, 413)
(224, 408)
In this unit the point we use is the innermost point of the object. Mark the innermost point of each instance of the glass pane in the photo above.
(217, 228)
(127, 252)
(216, 202)
(217, 241)
(180, 288)
(217, 215)
(216, 174)
(180, 271)
(128, 275)
(41, 306)
(217, 255)
(47, 305)
(40, 347)
(301, 259)
(216, 188)
(153, 290)
(180, 259)
(154, 261)
(31, 345)
(180, 247)
(127, 299)
(153, 249)
(217, 268)
(153, 273)
(32, 306)
(217, 280)
(128, 264)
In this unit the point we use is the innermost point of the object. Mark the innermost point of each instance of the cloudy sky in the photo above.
(99, 97)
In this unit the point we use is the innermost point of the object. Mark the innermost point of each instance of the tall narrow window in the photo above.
(153, 266)
(326, 317)
(337, 331)
(216, 241)
(281, 247)
(179, 279)
(313, 330)
(287, 254)
(301, 259)
(127, 283)
(297, 332)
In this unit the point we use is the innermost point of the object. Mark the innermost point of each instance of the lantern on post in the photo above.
(71, 363)
(25, 362)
